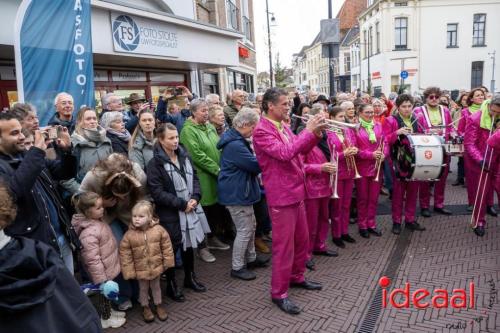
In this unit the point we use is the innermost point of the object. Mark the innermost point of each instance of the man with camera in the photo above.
(32, 180)
(174, 94)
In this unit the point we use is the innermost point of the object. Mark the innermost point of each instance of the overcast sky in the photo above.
(297, 23)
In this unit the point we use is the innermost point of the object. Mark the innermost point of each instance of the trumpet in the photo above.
(334, 183)
(333, 125)
(378, 162)
(350, 160)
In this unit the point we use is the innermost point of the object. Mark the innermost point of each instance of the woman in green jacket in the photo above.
(200, 139)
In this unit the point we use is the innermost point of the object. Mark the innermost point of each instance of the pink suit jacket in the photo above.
(335, 143)
(279, 158)
(422, 114)
(365, 160)
(476, 141)
(317, 181)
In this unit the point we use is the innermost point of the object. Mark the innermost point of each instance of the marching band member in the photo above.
(344, 143)
(434, 118)
(372, 152)
(404, 192)
(278, 153)
(483, 160)
(494, 143)
(474, 101)
(318, 192)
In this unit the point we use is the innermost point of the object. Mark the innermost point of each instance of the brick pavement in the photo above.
(447, 255)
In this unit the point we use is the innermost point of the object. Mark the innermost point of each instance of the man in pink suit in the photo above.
(278, 153)
(484, 159)
(404, 193)
(434, 119)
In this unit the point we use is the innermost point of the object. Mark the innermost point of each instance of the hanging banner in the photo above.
(53, 49)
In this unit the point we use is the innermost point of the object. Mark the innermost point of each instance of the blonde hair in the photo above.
(79, 118)
(213, 109)
(144, 205)
(84, 201)
(138, 128)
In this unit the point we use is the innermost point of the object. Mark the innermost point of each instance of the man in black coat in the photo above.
(32, 180)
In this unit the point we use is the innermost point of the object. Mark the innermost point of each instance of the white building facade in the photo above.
(443, 43)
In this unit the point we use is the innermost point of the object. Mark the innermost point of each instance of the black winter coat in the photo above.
(162, 190)
(26, 175)
(38, 294)
(119, 146)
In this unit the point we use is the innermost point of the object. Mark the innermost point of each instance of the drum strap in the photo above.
(401, 123)
(428, 119)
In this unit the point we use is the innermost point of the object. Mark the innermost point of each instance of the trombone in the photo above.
(378, 162)
(350, 160)
(333, 125)
(334, 183)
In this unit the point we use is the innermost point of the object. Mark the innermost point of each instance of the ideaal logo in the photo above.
(439, 298)
(126, 32)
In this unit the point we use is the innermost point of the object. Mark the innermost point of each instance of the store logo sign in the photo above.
(139, 35)
(126, 32)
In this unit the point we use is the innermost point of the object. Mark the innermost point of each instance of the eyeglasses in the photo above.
(433, 97)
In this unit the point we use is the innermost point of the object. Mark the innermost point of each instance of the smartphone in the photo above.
(178, 91)
(53, 133)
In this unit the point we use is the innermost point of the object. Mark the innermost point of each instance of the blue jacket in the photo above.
(165, 117)
(238, 184)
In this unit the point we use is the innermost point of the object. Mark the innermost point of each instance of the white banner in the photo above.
(132, 34)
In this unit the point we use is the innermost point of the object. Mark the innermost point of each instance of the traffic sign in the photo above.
(404, 74)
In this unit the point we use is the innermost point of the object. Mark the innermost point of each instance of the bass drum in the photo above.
(418, 157)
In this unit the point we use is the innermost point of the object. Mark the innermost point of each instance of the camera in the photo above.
(51, 132)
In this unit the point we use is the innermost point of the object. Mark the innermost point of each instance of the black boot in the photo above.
(173, 291)
(189, 276)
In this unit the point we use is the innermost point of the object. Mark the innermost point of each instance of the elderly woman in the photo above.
(238, 189)
(175, 189)
(112, 121)
(200, 139)
(217, 119)
(350, 112)
(141, 143)
(90, 145)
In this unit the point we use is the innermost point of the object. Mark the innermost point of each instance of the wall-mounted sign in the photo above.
(243, 52)
(7, 73)
(121, 76)
(100, 75)
(167, 77)
(376, 75)
(132, 34)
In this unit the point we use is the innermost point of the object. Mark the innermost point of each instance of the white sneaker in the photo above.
(112, 322)
(216, 244)
(125, 305)
(205, 255)
(117, 314)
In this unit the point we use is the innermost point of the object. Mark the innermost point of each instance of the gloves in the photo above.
(110, 290)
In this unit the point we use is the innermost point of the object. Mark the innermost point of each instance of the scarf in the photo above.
(474, 108)
(4, 239)
(96, 135)
(124, 136)
(368, 126)
(194, 224)
(486, 118)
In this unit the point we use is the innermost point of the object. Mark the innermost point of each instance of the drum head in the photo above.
(403, 156)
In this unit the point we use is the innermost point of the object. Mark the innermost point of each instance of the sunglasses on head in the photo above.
(433, 96)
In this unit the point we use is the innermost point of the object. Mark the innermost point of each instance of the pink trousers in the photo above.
(472, 173)
(317, 220)
(404, 193)
(479, 212)
(290, 246)
(424, 191)
(367, 193)
(341, 208)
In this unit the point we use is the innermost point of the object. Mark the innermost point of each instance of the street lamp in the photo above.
(492, 86)
(273, 19)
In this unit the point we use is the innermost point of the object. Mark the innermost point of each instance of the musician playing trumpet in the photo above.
(484, 158)
(343, 143)
(319, 189)
(372, 152)
(405, 192)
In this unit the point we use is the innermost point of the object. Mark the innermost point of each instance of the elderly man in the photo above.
(231, 109)
(64, 111)
(112, 102)
(137, 104)
(279, 152)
